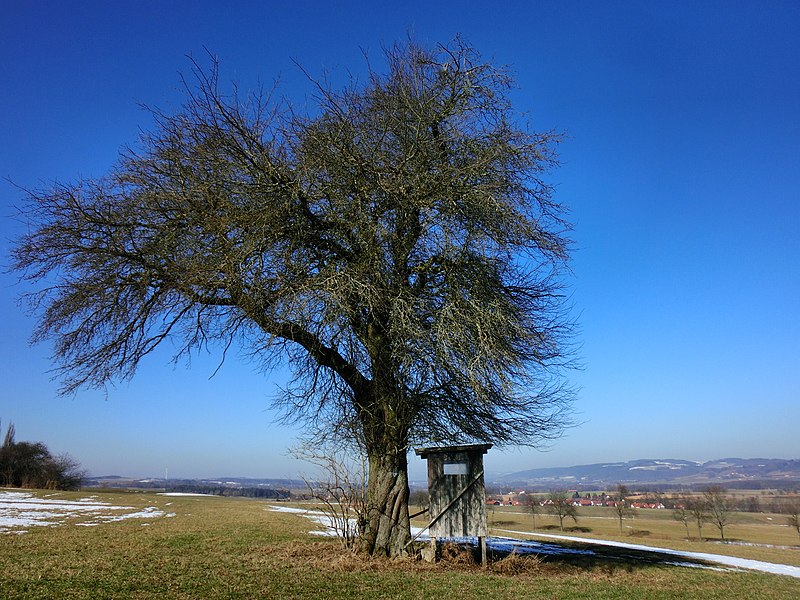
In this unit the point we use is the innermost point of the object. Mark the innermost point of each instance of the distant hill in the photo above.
(752, 473)
(220, 486)
(734, 472)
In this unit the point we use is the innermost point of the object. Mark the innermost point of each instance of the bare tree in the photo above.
(397, 246)
(560, 504)
(622, 507)
(340, 487)
(420, 499)
(792, 509)
(532, 502)
(717, 505)
(697, 507)
(8, 440)
(682, 514)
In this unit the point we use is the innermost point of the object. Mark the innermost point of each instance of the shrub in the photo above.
(31, 465)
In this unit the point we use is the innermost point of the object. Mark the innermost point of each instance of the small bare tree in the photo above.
(622, 507)
(682, 514)
(340, 488)
(560, 504)
(718, 506)
(420, 499)
(697, 508)
(8, 440)
(792, 509)
(533, 505)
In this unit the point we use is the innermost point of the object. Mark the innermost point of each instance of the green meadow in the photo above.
(211, 547)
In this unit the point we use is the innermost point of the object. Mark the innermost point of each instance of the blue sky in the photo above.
(681, 169)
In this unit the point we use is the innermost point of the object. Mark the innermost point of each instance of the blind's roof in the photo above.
(425, 452)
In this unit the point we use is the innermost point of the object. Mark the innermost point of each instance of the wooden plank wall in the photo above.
(448, 475)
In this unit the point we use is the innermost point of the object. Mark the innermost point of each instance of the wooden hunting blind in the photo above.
(457, 493)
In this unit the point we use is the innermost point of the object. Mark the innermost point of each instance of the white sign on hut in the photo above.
(457, 493)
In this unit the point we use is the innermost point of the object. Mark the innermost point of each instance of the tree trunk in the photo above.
(387, 529)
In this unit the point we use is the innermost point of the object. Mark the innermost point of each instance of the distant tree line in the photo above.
(223, 490)
(31, 465)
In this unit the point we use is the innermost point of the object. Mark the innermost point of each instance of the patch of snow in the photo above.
(670, 465)
(316, 516)
(729, 543)
(150, 512)
(22, 509)
(292, 509)
(658, 466)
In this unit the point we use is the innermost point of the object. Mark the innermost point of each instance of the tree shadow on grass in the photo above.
(574, 528)
(586, 555)
(577, 529)
(504, 523)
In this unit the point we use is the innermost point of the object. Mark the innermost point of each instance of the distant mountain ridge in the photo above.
(220, 485)
(732, 472)
(661, 471)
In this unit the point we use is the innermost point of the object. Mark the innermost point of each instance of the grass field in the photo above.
(235, 548)
(757, 536)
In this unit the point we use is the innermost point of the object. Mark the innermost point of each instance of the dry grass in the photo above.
(515, 564)
(235, 548)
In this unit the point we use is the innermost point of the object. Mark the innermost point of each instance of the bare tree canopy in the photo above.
(397, 245)
(561, 505)
(622, 507)
(718, 506)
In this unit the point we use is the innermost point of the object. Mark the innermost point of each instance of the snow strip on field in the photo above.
(313, 515)
(730, 561)
(22, 509)
(321, 518)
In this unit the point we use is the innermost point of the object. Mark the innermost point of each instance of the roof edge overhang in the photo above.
(425, 452)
